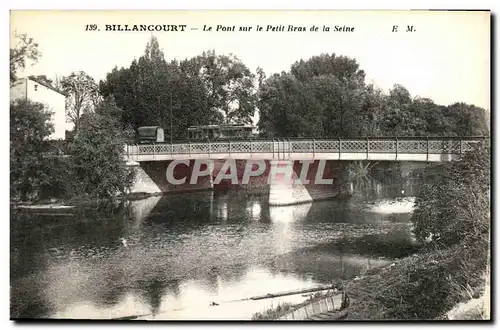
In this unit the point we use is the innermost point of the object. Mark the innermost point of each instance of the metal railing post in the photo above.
(340, 148)
(209, 148)
(314, 148)
(397, 147)
(278, 149)
(251, 149)
(427, 148)
(154, 147)
(289, 148)
(367, 149)
(284, 148)
(189, 148)
(229, 141)
(273, 148)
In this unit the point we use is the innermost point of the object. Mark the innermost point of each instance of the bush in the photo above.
(454, 201)
(452, 212)
(94, 169)
(29, 126)
(422, 287)
(59, 177)
(98, 165)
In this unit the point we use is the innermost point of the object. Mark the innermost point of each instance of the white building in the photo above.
(41, 92)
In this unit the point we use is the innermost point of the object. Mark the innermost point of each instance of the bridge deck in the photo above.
(395, 149)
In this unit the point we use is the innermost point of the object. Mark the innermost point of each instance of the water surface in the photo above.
(170, 257)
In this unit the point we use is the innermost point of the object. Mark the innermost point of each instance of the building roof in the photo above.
(45, 84)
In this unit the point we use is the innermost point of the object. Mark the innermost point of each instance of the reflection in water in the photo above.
(195, 299)
(222, 210)
(142, 208)
(185, 251)
(391, 206)
(254, 210)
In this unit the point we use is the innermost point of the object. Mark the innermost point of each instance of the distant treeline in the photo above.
(324, 96)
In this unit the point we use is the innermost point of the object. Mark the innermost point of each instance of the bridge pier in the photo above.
(143, 184)
(295, 182)
(285, 186)
(151, 177)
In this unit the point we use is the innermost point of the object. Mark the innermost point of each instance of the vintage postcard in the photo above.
(249, 165)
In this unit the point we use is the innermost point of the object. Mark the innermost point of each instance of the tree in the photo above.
(230, 86)
(288, 108)
(97, 152)
(25, 49)
(468, 120)
(30, 125)
(82, 96)
(206, 89)
(453, 204)
(397, 117)
(333, 88)
(143, 90)
(327, 93)
(342, 67)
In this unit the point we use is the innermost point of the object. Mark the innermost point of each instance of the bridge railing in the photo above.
(277, 146)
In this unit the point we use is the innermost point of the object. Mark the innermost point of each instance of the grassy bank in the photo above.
(424, 286)
(452, 220)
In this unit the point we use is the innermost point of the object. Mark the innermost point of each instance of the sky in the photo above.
(446, 57)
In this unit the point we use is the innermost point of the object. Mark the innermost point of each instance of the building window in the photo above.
(36, 88)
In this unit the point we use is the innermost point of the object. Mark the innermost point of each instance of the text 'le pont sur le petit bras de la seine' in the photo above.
(278, 28)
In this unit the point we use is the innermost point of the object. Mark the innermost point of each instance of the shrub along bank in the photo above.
(90, 167)
(451, 223)
(452, 220)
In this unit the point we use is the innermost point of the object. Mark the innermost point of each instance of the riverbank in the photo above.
(66, 205)
(424, 286)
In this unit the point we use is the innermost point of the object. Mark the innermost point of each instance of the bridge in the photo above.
(429, 149)
(293, 170)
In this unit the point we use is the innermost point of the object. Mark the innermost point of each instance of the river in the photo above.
(170, 257)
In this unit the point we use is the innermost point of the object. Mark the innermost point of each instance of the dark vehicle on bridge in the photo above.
(150, 134)
(220, 132)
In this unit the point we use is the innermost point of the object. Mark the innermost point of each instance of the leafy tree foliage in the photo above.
(206, 89)
(454, 202)
(99, 170)
(283, 104)
(325, 96)
(82, 96)
(30, 125)
(333, 89)
(25, 49)
(468, 119)
(229, 85)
